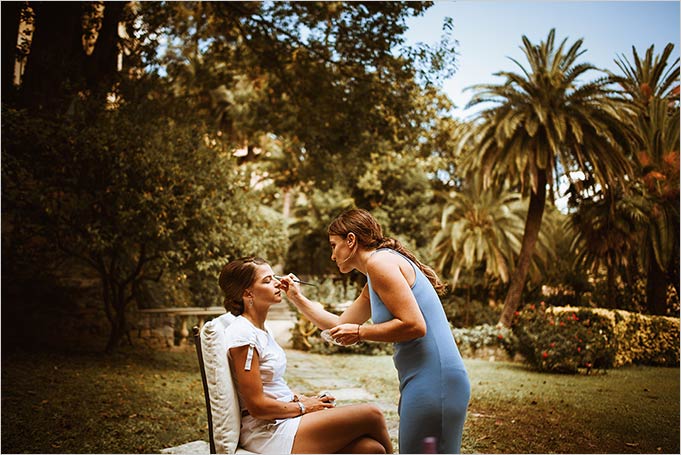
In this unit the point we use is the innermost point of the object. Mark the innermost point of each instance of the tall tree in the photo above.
(140, 187)
(544, 122)
(606, 233)
(651, 86)
(73, 51)
(323, 75)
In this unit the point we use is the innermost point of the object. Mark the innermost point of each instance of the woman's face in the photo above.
(341, 252)
(265, 290)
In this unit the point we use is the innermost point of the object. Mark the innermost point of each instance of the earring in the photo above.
(250, 303)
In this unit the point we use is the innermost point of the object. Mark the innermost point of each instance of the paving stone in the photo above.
(352, 394)
(320, 383)
(194, 447)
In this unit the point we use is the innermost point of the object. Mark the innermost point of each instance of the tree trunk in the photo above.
(656, 287)
(612, 286)
(102, 66)
(119, 323)
(119, 328)
(535, 213)
(54, 68)
(11, 16)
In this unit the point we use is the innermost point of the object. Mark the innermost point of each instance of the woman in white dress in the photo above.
(274, 419)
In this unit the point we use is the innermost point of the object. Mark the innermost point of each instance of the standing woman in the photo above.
(273, 418)
(401, 299)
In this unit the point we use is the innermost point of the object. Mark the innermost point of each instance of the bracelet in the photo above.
(358, 337)
(301, 406)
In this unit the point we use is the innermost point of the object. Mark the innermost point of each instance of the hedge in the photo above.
(571, 339)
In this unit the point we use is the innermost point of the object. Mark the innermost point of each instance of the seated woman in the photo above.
(274, 420)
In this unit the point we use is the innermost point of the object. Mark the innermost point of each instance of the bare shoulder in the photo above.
(382, 262)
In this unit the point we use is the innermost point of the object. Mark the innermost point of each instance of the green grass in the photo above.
(142, 401)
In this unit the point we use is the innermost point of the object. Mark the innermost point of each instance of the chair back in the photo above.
(197, 343)
(222, 402)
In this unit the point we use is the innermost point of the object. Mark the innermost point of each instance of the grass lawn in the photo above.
(143, 401)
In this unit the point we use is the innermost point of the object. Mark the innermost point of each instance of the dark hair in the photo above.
(235, 278)
(370, 235)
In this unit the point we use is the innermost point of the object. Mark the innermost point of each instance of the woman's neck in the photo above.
(362, 259)
(256, 319)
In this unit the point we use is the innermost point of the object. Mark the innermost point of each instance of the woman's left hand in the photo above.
(346, 334)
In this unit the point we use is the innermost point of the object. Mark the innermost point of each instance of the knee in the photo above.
(373, 414)
(368, 445)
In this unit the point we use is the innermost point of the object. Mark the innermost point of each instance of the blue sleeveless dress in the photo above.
(434, 385)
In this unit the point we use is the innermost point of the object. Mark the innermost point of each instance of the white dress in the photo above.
(257, 435)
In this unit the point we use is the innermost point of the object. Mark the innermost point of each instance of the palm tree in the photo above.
(545, 121)
(649, 77)
(483, 227)
(606, 232)
(651, 87)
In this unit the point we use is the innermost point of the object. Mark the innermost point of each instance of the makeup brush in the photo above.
(296, 280)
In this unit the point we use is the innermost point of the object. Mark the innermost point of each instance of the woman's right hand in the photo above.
(290, 287)
(313, 404)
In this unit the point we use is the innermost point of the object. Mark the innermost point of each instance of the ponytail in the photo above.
(394, 244)
(370, 235)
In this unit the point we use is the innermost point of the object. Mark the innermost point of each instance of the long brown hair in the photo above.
(235, 278)
(370, 235)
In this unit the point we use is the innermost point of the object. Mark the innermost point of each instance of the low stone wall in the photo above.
(490, 354)
(153, 330)
(167, 328)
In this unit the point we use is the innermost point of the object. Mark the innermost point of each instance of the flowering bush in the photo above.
(570, 340)
(564, 341)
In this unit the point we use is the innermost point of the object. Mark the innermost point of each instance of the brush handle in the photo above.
(296, 280)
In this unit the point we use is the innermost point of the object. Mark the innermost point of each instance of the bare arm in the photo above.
(357, 313)
(389, 282)
(259, 405)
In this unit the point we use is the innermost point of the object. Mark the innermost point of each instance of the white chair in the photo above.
(222, 402)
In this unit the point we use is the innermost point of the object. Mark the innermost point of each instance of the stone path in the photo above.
(316, 378)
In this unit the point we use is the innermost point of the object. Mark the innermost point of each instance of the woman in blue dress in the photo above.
(401, 300)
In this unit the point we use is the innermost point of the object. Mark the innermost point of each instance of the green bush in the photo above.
(570, 340)
(462, 312)
(647, 340)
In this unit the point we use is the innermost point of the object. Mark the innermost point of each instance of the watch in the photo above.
(302, 407)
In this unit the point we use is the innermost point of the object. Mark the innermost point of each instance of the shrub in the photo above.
(569, 340)
(642, 339)
(486, 339)
(462, 312)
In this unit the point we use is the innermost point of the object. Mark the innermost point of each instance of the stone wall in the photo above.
(156, 331)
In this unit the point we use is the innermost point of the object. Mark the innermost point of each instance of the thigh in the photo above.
(333, 429)
(455, 408)
(420, 415)
(434, 405)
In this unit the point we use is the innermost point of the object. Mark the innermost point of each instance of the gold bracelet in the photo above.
(359, 338)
